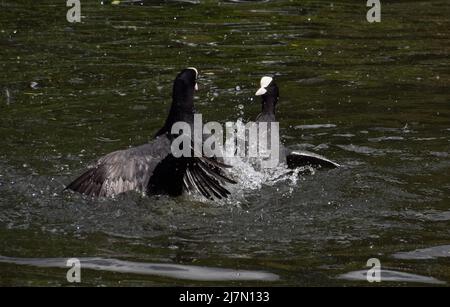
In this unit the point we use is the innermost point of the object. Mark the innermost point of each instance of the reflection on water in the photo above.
(392, 276)
(373, 97)
(178, 271)
(425, 253)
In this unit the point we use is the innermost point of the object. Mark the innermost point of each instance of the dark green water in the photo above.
(374, 97)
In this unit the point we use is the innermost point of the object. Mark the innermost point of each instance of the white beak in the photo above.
(196, 86)
(261, 91)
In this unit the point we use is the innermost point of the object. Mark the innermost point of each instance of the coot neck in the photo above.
(268, 105)
(182, 108)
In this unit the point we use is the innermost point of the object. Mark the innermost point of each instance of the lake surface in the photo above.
(373, 97)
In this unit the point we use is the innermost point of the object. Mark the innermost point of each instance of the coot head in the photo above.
(186, 80)
(269, 93)
(268, 88)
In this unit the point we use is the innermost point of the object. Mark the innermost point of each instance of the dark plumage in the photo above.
(269, 93)
(151, 168)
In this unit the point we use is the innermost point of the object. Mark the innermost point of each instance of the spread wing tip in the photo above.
(206, 176)
(85, 184)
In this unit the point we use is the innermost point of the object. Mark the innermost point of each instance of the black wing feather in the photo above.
(151, 168)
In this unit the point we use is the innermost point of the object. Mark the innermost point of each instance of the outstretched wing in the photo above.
(152, 168)
(207, 176)
(202, 175)
(197, 174)
(296, 159)
(122, 170)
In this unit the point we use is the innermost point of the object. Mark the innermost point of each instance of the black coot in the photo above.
(269, 93)
(151, 168)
